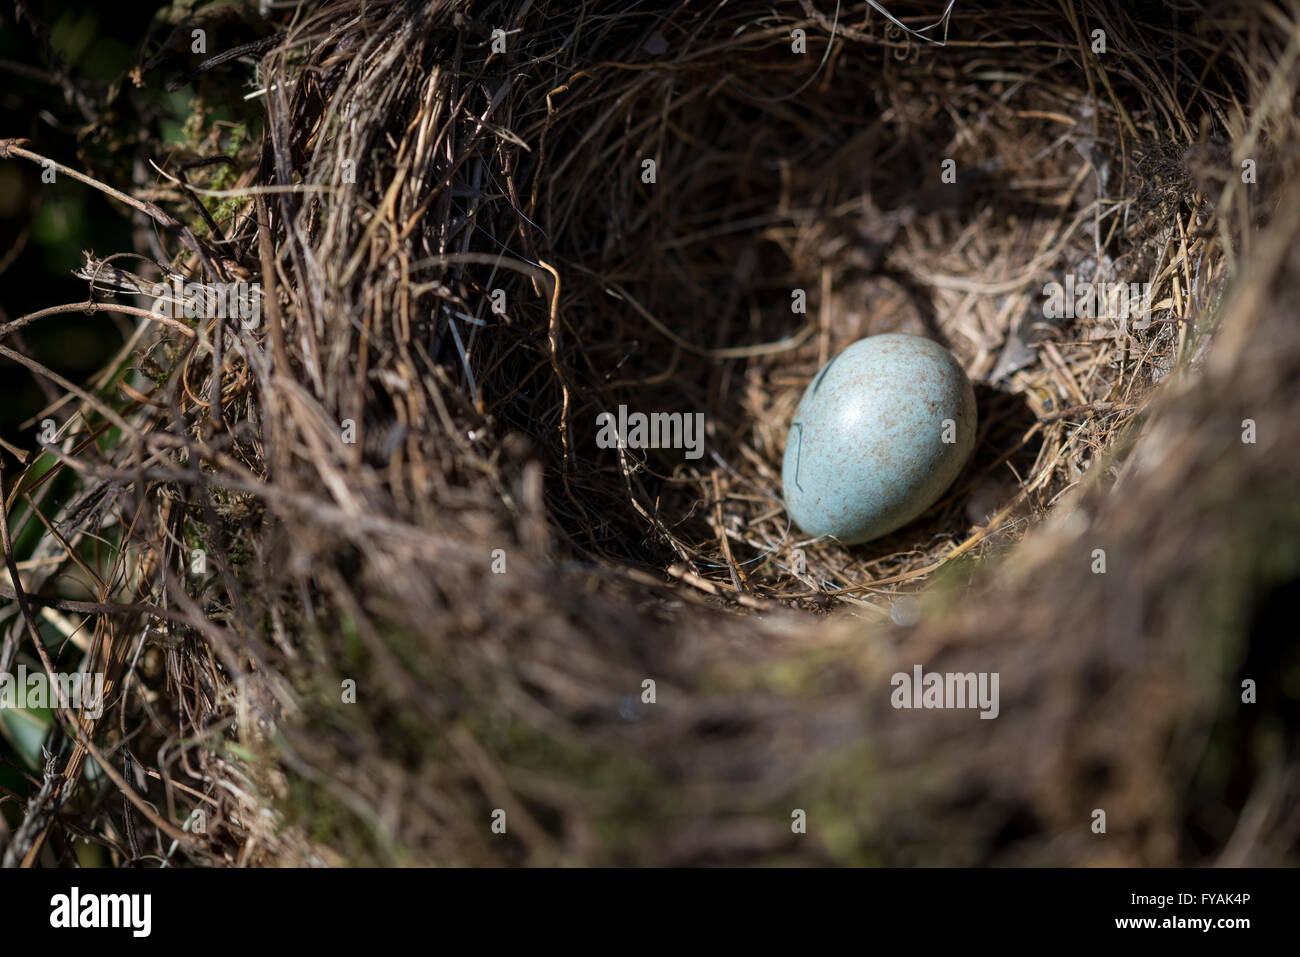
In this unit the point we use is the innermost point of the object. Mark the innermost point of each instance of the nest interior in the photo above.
(478, 226)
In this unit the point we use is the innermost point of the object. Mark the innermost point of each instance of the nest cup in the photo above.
(796, 208)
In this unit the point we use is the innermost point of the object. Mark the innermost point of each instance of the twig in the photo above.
(13, 147)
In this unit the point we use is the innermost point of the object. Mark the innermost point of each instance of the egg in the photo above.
(880, 433)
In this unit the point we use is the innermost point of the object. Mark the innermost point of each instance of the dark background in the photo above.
(60, 69)
(55, 77)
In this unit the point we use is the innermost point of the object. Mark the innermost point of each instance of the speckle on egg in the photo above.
(880, 434)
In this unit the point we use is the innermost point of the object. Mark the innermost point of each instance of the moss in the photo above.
(1237, 638)
(800, 676)
(327, 821)
(839, 798)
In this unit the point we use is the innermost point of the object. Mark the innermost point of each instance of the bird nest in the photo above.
(427, 593)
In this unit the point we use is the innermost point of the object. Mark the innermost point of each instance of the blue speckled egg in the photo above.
(879, 435)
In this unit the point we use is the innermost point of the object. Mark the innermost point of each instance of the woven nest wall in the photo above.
(430, 594)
